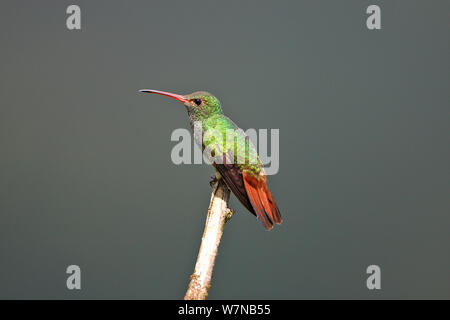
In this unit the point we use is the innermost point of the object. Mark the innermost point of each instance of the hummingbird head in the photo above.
(200, 104)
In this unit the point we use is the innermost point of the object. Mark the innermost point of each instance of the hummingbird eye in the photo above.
(198, 101)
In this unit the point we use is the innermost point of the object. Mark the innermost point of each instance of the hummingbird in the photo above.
(232, 154)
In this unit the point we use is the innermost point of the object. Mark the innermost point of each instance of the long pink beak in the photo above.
(178, 97)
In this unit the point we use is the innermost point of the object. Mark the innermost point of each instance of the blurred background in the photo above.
(85, 170)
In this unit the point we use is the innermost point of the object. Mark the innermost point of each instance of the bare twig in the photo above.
(217, 217)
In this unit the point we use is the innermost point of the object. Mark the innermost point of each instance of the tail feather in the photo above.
(276, 214)
(262, 200)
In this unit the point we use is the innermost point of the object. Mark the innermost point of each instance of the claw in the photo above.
(213, 180)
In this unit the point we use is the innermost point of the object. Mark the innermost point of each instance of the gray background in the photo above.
(85, 170)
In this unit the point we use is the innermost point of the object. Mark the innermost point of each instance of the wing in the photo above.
(252, 192)
(246, 179)
(234, 180)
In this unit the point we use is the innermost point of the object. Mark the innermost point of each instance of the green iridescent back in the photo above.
(216, 126)
(235, 144)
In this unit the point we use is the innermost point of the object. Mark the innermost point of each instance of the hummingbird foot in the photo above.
(215, 178)
(213, 181)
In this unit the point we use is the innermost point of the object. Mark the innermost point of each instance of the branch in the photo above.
(217, 217)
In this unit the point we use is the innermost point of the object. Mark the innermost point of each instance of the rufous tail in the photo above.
(262, 201)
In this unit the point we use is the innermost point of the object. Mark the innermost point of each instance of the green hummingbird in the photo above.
(231, 153)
